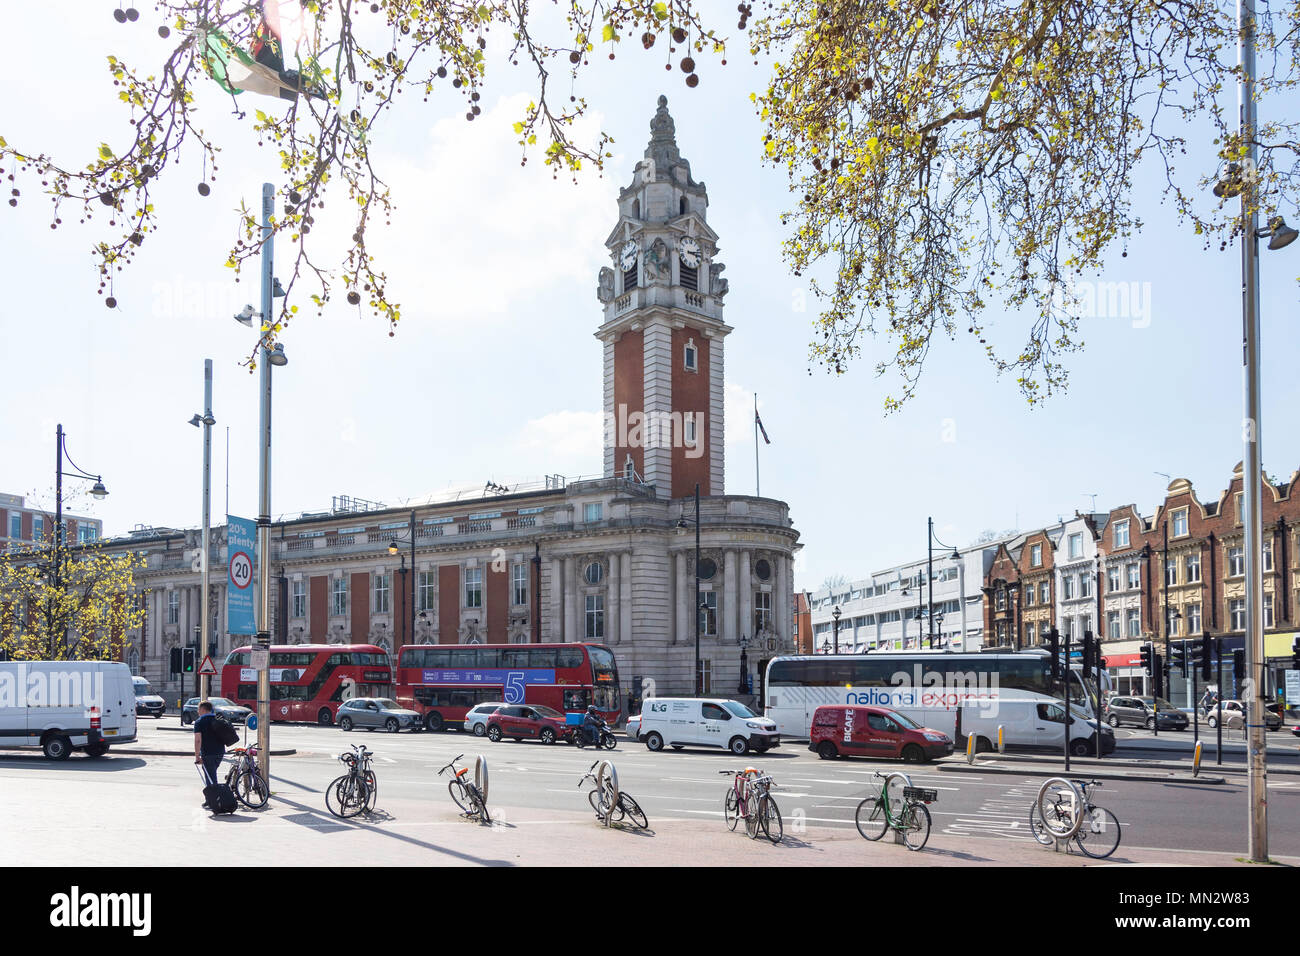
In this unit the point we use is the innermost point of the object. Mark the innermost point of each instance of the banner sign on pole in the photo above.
(241, 542)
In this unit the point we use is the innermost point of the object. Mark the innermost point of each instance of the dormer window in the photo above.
(691, 357)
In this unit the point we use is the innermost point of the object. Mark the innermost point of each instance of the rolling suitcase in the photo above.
(220, 798)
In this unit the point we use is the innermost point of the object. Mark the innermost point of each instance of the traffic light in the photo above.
(176, 661)
(1207, 663)
(1178, 656)
(187, 660)
(1054, 650)
(1158, 675)
(1238, 671)
(1146, 658)
(1088, 651)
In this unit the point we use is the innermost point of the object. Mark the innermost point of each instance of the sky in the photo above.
(494, 373)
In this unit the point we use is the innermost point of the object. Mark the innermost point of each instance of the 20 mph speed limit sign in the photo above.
(241, 541)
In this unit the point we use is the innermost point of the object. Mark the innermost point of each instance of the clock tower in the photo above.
(663, 330)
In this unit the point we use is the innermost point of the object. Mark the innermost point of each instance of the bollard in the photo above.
(970, 748)
(1001, 739)
(1196, 760)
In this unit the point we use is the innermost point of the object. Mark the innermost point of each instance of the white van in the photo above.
(695, 722)
(62, 706)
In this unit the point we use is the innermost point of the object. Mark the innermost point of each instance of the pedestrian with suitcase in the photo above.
(209, 750)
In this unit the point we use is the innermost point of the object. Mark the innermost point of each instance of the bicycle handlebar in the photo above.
(450, 765)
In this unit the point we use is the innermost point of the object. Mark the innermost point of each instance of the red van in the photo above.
(874, 732)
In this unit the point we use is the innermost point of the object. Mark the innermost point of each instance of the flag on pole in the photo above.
(759, 422)
(261, 69)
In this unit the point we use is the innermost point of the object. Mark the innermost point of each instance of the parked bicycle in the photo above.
(465, 793)
(245, 780)
(749, 799)
(609, 802)
(907, 814)
(354, 792)
(1065, 810)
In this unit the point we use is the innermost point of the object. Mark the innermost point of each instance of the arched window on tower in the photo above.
(681, 206)
(636, 209)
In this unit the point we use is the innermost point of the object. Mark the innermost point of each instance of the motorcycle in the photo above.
(580, 739)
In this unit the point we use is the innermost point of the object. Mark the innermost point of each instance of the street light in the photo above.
(205, 421)
(835, 627)
(681, 526)
(97, 491)
(743, 686)
(393, 549)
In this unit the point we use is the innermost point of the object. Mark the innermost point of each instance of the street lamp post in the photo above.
(743, 686)
(97, 491)
(699, 610)
(410, 594)
(835, 627)
(206, 421)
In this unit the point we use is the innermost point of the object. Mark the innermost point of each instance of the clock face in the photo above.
(689, 250)
(627, 255)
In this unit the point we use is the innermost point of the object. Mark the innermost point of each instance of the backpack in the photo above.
(225, 731)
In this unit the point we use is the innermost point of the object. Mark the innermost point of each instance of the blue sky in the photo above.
(494, 373)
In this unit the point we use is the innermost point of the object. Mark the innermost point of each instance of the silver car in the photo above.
(477, 716)
(375, 712)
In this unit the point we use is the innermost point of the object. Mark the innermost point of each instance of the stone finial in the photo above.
(663, 140)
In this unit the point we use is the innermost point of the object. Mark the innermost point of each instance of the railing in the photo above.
(473, 527)
(428, 532)
(622, 303)
(695, 300)
(339, 539)
(302, 544)
(529, 522)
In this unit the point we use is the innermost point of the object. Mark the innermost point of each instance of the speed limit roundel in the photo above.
(241, 569)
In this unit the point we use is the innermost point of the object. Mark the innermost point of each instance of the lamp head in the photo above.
(245, 316)
(1280, 234)
(277, 356)
(209, 420)
(98, 490)
(277, 290)
(392, 545)
(196, 421)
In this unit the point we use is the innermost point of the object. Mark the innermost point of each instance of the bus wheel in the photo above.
(324, 718)
(826, 750)
(433, 721)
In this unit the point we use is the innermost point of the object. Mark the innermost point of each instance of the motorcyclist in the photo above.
(592, 725)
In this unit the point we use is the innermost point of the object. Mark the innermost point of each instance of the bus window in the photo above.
(464, 657)
(576, 700)
(488, 657)
(515, 657)
(568, 657)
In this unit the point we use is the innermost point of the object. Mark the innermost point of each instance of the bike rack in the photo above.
(603, 772)
(481, 775)
(907, 782)
(1061, 844)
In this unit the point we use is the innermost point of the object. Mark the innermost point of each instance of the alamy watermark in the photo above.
(637, 429)
(47, 686)
(1089, 299)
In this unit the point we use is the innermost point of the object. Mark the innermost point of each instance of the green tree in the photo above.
(946, 159)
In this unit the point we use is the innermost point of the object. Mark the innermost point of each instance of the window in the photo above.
(381, 594)
(691, 357)
(1171, 622)
(595, 617)
(594, 573)
(704, 676)
(86, 534)
(1192, 612)
(340, 594)
(1112, 625)
(473, 587)
(519, 583)
(1121, 533)
(425, 583)
(1179, 529)
(1268, 555)
(1171, 572)
(688, 428)
(1029, 596)
(592, 511)
(38, 527)
(173, 607)
(1043, 593)
(1268, 610)
(1236, 562)
(629, 279)
(1134, 576)
(1036, 556)
(709, 613)
(763, 569)
(1076, 545)
(1085, 585)
(16, 526)
(1067, 587)
(1112, 578)
(1002, 598)
(690, 277)
(762, 611)
(1133, 622)
(707, 569)
(1193, 565)
(1237, 615)
(298, 596)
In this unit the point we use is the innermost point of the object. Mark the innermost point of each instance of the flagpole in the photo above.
(757, 486)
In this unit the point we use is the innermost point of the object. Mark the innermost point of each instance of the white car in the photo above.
(633, 727)
(477, 716)
(694, 722)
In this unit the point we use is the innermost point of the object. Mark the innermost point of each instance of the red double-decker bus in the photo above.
(309, 681)
(443, 681)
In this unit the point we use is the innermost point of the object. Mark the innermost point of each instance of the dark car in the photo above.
(221, 706)
(532, 721)
(1142, 712)
(147, 703)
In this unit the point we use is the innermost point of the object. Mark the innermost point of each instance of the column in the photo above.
(571, 631)
(683, 601)
(781, 603)
(625, 598)
(745, 593)
(611, 601)
(729, 603)
(556, 608)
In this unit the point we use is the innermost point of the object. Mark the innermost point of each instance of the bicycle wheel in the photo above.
(1098, 835)
(915, 825)
(752, 823)
(770, 816)
(597, 798)
(479, 804)
(346, 796)
(632, 810)
(372, 790)
(731, 809)
(1038, 828)
(871, 818)
(250, 789)
(460, 795)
